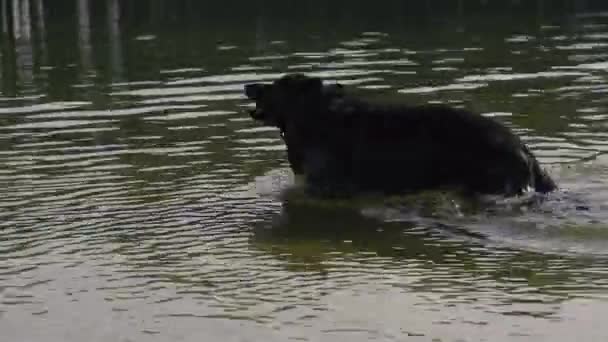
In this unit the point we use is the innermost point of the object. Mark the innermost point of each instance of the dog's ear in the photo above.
(309, 84)
(300, 83)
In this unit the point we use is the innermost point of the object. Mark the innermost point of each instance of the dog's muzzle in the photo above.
(253, 91)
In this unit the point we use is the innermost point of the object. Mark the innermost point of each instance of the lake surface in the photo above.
(139, 202)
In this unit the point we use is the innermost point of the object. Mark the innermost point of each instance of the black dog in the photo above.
(343, 144)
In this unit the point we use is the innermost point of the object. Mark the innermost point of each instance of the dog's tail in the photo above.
(542, 182)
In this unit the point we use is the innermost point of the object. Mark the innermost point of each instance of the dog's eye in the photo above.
(314, 83)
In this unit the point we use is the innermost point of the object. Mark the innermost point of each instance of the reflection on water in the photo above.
(139, 201)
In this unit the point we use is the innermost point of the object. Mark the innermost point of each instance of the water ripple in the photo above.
(159, 197)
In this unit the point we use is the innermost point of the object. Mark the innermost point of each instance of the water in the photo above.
(140, 203)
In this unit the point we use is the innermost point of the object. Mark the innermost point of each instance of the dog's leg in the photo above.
(325, 176)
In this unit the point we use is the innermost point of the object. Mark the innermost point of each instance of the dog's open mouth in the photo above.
(256, 113)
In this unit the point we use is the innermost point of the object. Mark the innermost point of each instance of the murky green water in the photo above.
(139, 203)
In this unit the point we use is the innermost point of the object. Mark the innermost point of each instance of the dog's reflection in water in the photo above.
(307, 231)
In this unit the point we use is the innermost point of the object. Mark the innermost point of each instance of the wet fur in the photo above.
(343, 144)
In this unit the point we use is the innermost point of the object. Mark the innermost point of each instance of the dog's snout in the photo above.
(252, 90)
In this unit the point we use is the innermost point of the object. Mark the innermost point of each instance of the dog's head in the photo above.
(287, 97)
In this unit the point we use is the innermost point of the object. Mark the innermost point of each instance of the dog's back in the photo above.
(398, 148)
